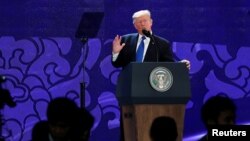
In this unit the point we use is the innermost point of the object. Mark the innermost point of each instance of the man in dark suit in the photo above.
(156, 49)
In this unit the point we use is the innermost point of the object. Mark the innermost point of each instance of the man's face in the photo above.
(143, 22)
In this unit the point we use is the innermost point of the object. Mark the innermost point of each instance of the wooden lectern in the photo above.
(141, 102)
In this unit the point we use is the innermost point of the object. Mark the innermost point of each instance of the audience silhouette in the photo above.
(218, 110)
(163, 128)
(65, 122)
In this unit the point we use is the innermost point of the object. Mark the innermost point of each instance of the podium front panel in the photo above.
(134, 85)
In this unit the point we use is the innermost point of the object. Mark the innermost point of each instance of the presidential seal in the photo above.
(161, 79)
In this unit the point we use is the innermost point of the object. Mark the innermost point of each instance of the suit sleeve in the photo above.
(126, 54)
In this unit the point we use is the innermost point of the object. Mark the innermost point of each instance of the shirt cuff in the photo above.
(114, 56)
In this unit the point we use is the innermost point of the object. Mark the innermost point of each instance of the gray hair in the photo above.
(140, 13)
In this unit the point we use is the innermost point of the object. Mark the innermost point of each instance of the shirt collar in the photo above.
(140, 36)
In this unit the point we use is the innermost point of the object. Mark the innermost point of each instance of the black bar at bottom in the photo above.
(225, 132)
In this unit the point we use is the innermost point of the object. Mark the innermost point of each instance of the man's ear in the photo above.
(151, 23)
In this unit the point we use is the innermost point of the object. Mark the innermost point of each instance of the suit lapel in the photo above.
(133, 44)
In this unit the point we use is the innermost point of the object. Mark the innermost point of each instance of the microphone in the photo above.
(146, 33)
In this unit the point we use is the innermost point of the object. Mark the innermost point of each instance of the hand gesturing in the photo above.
(117, 46)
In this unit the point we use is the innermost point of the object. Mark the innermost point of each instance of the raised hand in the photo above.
(117, 46)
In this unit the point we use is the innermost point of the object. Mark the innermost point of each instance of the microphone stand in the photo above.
(148, 34)
(84, 41)
(157, 48)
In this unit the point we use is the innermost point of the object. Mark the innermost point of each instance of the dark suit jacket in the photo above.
(160, 50)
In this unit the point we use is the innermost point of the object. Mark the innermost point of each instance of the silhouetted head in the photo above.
(218, 110)
(163, 129)
(61, 114)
